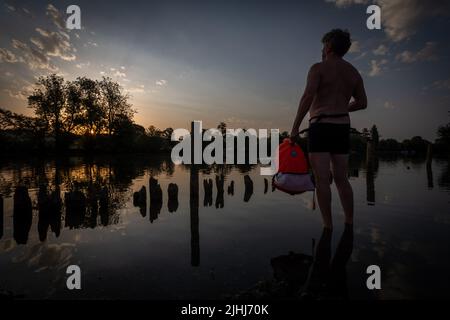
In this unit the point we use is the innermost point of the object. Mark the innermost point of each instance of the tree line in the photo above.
(83, 114)
(89, 115)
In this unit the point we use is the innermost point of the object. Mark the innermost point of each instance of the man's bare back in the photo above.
(338, 82)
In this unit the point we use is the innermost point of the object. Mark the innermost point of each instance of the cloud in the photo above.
(402, 18)
(355, 47)
(381, 50)
(10, 7)
(427, 53)
(377, 67)
(54, 44)
(362, 55)
(55, 16)
(138, 89)
(389, 105)
(20, 94)
(14, 94)
(26, 11)
(21, 11)
(35, 59)
(82, 65)
(161, 83)
(346, 3)
(441, 84)
(120, 74)
(7, 56)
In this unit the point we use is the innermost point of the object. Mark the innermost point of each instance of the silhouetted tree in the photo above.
(222, 127)
(167, 133)
(90, 114)
(391, 145)
(114, 103)
(153, 131)
(48, 101)
(443, 134)
(365, 133)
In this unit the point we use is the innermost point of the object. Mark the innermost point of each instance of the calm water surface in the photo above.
(205, 242)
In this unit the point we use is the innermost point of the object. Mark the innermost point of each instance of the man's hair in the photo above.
(339, 41)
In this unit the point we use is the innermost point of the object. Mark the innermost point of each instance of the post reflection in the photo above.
(207, 192)
(22, 215)
(220, 181)
(49, 212)
(155, 199)
(372, 164)
(1, 216)
(140, 200)
(193, 206)
(172, 203)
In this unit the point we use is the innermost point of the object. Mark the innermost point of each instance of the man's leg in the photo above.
(340, 175)
(320, 163)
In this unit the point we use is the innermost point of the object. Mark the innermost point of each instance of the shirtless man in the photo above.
(330, 86)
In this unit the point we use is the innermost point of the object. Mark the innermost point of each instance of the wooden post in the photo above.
(1, 216)
(194, 204)
(429, 162)
(369, 152)
(429, 153)
(370, 174)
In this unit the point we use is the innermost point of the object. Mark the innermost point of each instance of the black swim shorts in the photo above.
(329, 137)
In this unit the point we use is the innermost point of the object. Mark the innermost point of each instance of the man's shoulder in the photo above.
(316, 67)
(350, 66)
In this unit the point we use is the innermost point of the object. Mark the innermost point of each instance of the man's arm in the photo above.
(312, 84)
(359, 95)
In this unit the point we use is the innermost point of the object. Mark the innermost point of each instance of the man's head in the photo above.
(336, 42)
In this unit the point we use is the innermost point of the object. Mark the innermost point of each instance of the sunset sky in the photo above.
(242, 62)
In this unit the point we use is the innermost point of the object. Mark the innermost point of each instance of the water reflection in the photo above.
(444, 178)
(208, 192)
(328, 277)
(87, 193)
(140, 200)
(430, 176)
(248, 188)
(230, 189)
(156, 199)
(22, 216)
(193, 206)
(95, 193)
(220, 181)
(1, 216)
(49, 208)
(172, 203)
(372, 164)
(308, 277)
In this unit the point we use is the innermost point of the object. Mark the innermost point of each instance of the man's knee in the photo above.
(322, 182)
(341, 180)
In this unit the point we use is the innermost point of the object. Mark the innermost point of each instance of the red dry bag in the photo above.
(292, 176)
